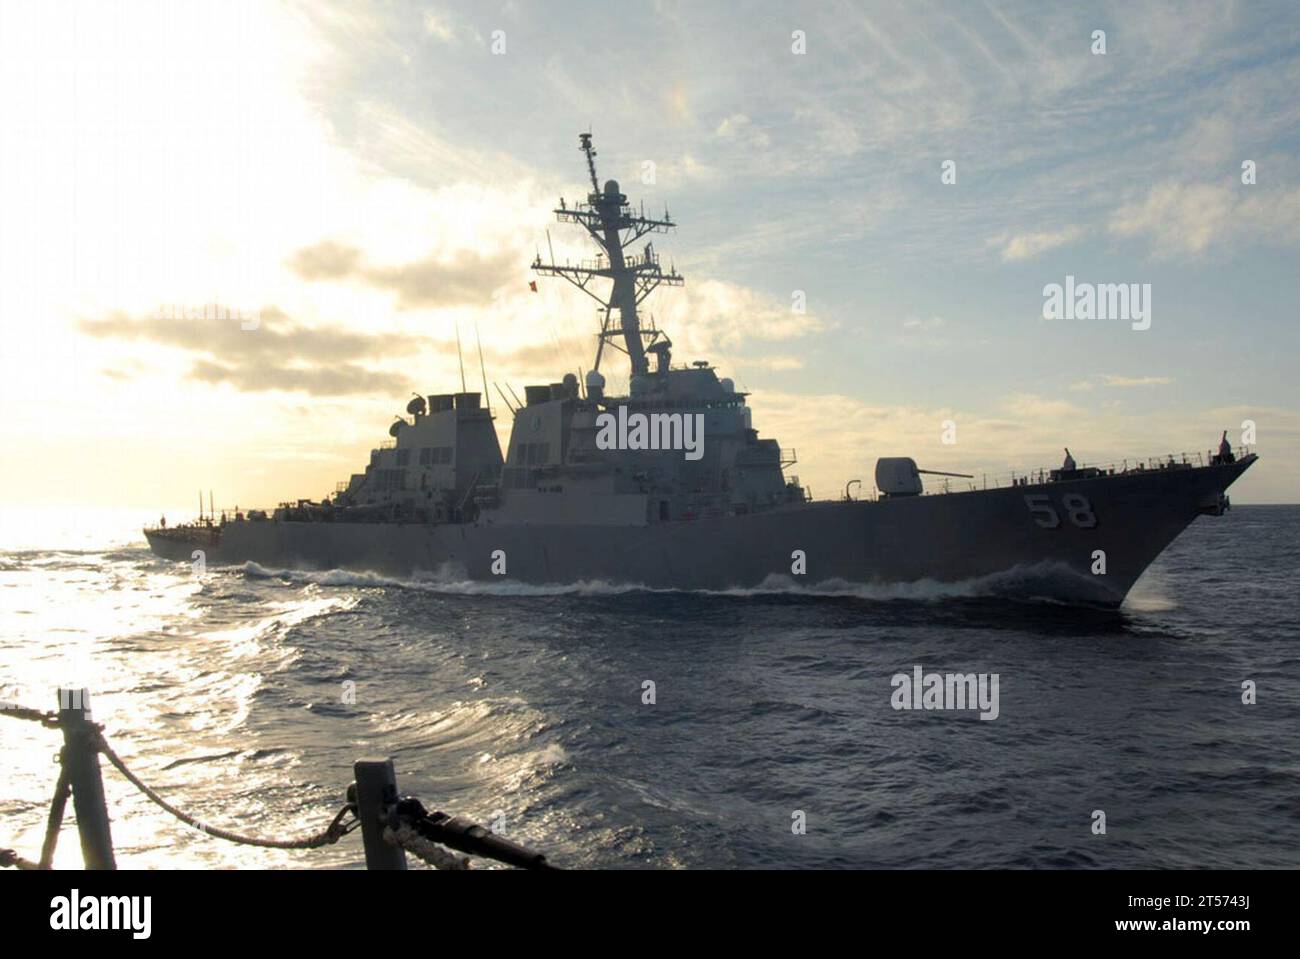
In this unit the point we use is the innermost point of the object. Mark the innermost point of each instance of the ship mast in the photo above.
(611, 222)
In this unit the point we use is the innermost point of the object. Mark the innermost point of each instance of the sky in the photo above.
(235, 237)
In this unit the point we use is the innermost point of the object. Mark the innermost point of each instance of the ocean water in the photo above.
(524, 707)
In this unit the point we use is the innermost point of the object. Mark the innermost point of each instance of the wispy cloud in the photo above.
(776, 364)
(1025, 246)
(713, 314)
(740, 128)
(440, 25)
(434, 281)
(1110, 379)
(1190, 218)
(279, 354)
(387, 164)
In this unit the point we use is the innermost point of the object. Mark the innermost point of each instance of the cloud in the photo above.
(437, 24)
(326, 260)
(775, 364)
(1179, 218)
(259, 375)
(1033, 406)
(279, 355)
(834, 135)
(686, 167)
(741, 129)
(464, 279)
(1110, 379)
(716, 314)
(1026, 246)
(919, 325)
(923, 332)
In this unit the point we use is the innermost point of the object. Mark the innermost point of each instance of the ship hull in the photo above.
(1079, 541)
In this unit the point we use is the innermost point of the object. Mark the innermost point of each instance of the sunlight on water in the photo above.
(244, 695)
(204, 688)
(174, 671)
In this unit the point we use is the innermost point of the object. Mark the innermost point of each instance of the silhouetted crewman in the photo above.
(1225, 451)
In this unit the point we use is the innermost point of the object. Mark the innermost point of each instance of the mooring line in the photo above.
(409, 827)
(332, 834)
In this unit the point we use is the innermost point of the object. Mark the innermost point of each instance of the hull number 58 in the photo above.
(1076, 507)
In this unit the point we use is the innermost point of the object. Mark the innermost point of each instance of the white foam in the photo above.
(1026, 581)
(1152, 592)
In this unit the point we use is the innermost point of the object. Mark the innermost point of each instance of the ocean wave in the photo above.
(280, 619)
(1038, 582)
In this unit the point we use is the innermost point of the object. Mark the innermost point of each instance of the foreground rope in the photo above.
(408, 840)
(48, 720)
(11, 860)
(336, 830)
(410, 827)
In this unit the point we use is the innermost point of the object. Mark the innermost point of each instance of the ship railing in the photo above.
(204, 522)
(582, 266)
(392, 826)
(224, 515)
(1044, 474)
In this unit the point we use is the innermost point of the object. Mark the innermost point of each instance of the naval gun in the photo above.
(900, 476)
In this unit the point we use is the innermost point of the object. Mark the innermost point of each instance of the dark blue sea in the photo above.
(245, 695)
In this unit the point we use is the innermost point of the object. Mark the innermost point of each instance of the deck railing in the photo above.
(391, 825)
(1043, 474)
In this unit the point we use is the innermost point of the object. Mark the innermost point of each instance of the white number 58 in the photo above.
(1075, 504)
(1043, 511)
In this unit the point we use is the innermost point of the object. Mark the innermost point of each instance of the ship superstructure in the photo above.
(444, 464)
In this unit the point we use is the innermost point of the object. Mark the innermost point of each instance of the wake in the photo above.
(1040, 582)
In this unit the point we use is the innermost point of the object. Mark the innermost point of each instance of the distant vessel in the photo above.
(671, 486)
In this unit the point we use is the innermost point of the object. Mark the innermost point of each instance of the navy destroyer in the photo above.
(671, 487)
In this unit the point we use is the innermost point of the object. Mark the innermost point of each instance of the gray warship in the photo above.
(671, 487)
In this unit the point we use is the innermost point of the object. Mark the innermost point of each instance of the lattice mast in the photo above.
(611, 222)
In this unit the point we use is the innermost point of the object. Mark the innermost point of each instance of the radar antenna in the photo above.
(608, 218)
(585, 140)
